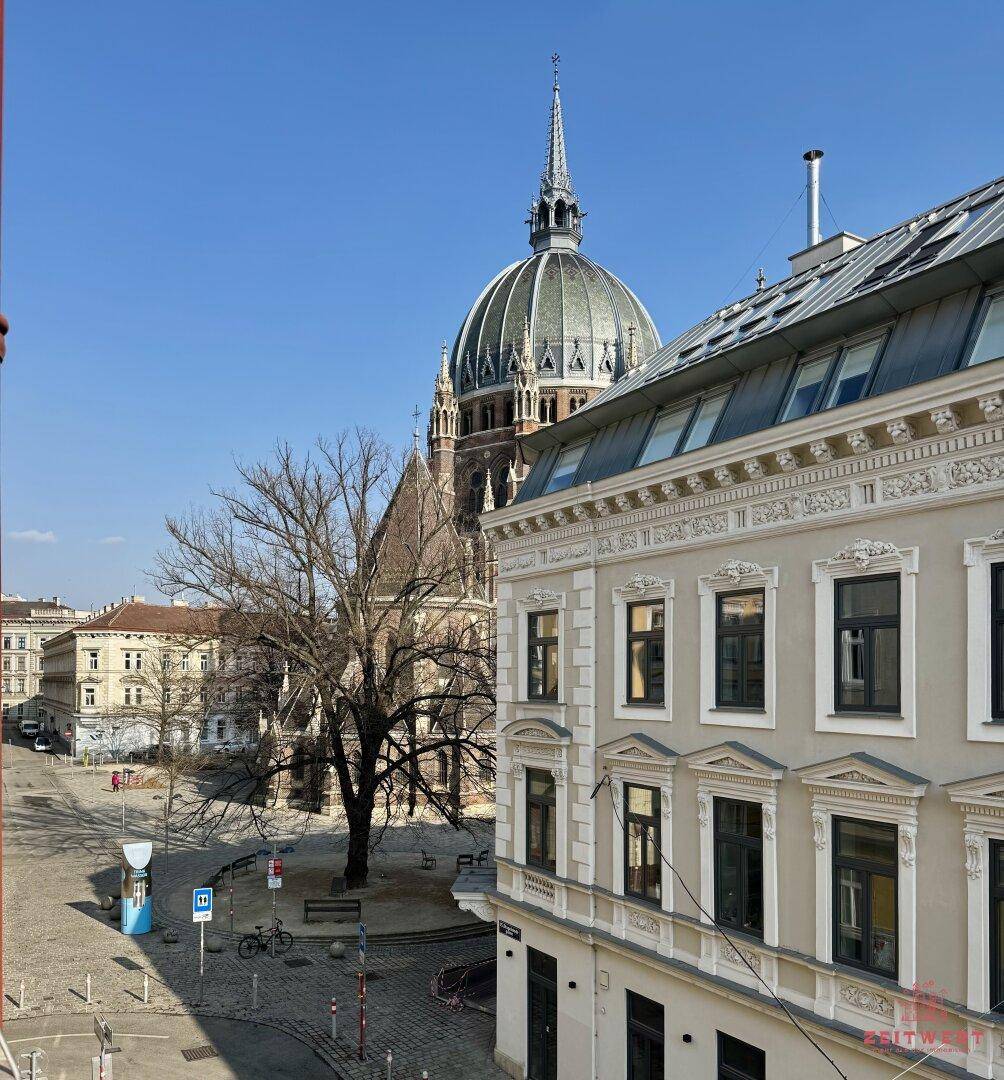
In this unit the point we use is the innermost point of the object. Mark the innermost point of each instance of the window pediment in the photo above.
(863, 774)
(735, 761)
(537, 729)
(638, 752)
(981, 794)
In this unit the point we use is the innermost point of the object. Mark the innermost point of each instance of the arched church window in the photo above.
(487, 417)
(466, 422)
(501, 494)
(559, 214)
(543, 215)
(444, 767)
(476, 497)
(509, 418)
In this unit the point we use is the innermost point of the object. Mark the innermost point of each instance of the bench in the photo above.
(216, 881)
(245, 862)
(343, 910)
(428, 861)
(465, 860)
(482, 857)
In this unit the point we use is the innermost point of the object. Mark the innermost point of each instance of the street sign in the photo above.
(202, 905)
(275, 882)
(510, 931)
(275, 867)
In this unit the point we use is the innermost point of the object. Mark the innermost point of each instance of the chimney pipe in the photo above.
(811, 159)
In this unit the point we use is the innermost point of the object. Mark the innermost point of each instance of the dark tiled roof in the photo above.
(157, 619)
(22, 609)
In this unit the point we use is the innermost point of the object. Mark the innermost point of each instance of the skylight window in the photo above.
(990, 340)
(563, 473)
(665, 436)
(704, 423)
(852, 373)
(805, 390)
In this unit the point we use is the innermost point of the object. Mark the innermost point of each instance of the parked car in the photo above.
(43, 742)
(29, 729)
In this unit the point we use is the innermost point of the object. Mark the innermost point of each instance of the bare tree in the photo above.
(346, 567)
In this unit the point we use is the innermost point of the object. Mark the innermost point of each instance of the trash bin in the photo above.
(337, 885)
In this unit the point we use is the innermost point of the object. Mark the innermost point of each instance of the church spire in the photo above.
(555, 218)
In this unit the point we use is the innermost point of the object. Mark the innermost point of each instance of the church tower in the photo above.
(443, 431)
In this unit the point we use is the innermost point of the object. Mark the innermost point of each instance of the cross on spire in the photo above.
(416, 414)
(555, 60)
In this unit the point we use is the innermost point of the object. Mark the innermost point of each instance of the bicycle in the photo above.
(251, 944)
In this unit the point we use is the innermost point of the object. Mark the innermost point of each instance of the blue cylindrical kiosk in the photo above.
(137, 887)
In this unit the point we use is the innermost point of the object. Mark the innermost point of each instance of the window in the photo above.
(203, 698)
(128, 695)
(167, 695)
(139, 695)
(184, 661)
(204, 661)
(739, 865)
(485, 771)
(22, 643)
(805, 390)
(704, 423)
(646, 652)
(740, 1061)
(542, 642)
(128, 661)
(88, 695)
(20, 710)
(6, 663)
(851, 376)
(645, 1038)
(165, 662)
(989, 344)
(864, 895)
(866, 626)
(41, 663)
(642, 842)
(443, 768)
(92, 661)
(6, 642)
(20, 686)
(22, 663)
(997, 641)
(665, 435)
(997, 925)
(466, 422)
(541, 844)
(563, 473)
(221, 730)
(6, 686)
(739, 650)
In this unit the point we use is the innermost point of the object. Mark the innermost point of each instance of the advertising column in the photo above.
(137, 887)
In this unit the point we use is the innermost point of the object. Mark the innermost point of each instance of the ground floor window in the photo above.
(542, 1016)
(646, 1049)
(740, 1061)
(997, 925)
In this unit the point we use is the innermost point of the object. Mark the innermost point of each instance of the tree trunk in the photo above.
(357, 862)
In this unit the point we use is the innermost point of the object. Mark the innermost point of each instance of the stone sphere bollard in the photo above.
(214, 944)
(170, 936)
(108, 902)
(336, 950)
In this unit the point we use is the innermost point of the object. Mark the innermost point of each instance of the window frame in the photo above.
(979, 321)
(745, 843)
(654, 821)
(742, 632)
(655, 1038)
(869, 868)
(836, 354)
(868, 623)
(694, 405)
(548, 810)
(649, 637)
(584, 444)
(729, 1072)
(996, 942)
(996, 643)
(545, 644)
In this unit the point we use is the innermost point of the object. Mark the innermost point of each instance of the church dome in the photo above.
(585, 326)
(581, 320)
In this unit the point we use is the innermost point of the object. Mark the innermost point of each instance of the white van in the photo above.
(29, 729)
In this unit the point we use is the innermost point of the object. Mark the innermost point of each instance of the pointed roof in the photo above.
(556, 176)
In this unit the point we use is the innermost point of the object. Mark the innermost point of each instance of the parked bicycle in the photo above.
(252, 944)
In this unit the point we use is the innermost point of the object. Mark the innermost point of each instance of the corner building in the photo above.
(751, 687)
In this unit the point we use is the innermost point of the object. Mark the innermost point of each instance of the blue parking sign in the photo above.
(202, 905)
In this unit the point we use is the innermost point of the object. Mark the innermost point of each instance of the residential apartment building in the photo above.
(136, 672)
(750, 802)
(26, 626)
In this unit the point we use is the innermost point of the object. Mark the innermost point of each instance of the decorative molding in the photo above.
(976, 470)
(709, 525)
(725, 477)
(901, 431)
(945, 419)
(580, 512)
(867, 1000)
(787, 460)
(736, 956)
(819, 830)
(860, 441)
(541, 522)
(666, 803)
(908, 845)
(974, 856)
(670, 489)
(540, 888)
(623, 503)
(755, 468)
(516, 769)
(861, 552)
(776, 510)
(823, 451)
(560, 518)
(575, 551)
(697, 484)
(646, 496)
(919, 482)
(675, 530)
(539, 596)
(703, 810)
(827, 500)
(992, 407)
(735, 569)
(520, 562)
(769, 822)
(641, 921)
(643, 581)
(560, 775)
(481, 908)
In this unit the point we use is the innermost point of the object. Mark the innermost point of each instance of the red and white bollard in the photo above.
(390, 1064)
(334, 1020)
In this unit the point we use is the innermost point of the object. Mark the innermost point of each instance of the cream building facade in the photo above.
(750, 803)
(112, 680)
(27, 625)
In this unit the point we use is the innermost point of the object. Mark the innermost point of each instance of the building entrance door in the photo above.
(542, 1016)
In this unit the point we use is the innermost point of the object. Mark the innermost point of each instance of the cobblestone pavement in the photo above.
(62, 831)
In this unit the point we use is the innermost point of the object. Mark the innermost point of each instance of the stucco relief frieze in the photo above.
(776, 510)
(642, 581)
(520, 562)
(861, 552)
(734, 569)
(908, 845)
(540, 596)
(516, 769)
(819, 829)
(824, 502)
(976, 470)
(974, 856)
(769, 822)
(573, 551)
(641, 921)
(918, 482)
(738, 956)
(867, 1000)
(709, 524)
(676, 530)
(703, 809)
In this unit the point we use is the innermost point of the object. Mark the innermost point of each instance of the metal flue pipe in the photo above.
(812, 159)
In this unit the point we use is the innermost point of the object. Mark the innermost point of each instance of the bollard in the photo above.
(20, 996)
(146, 989)
(425, 1074)
(390, 1063)
(254, 991)
(334, 1020)
(87, 999)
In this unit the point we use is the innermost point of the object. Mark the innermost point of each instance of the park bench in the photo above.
(215, 881)
(343, 910)
(482, 856)
(245, 862)
(428, 861)
(467, 859)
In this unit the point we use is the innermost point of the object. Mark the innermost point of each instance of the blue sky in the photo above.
(231, 222)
